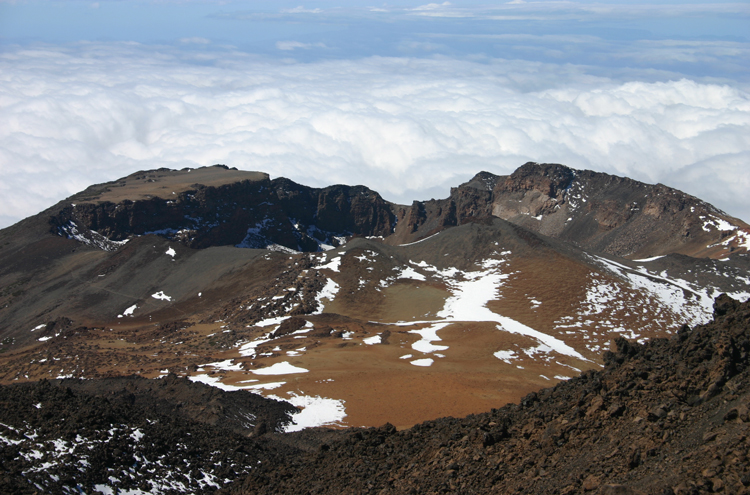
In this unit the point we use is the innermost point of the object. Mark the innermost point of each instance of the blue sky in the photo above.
(409, 98)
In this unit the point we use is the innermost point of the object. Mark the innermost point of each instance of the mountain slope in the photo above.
(368, 331)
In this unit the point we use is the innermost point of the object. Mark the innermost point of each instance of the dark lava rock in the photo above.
(157, 436)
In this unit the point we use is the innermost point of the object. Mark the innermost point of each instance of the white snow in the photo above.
(695, 305)
(316, 411)
(225, 365)
(741, 296)
(406, 356)
(377, 339)
(248, 349)
(333, 265)
(421, 240)
(646, 260)
(136, 435)
(129, 311)
(422, 362)
(161, 295)
(214, 381)
(469, 303)
(39, 327)
(329, 291)
(271, 321)
(282, 368)
(506, 356)
(265, 386)
(94, 238)
(411, 273)
(470, 293)
(171, 252)
(429, 335)
(717, 224)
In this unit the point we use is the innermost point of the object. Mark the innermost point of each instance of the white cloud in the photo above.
(293, 45)
(195, 40)
(301, 10)
(408, 128)
(432, 6)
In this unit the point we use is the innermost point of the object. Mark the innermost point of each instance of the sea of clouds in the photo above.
(408, 127)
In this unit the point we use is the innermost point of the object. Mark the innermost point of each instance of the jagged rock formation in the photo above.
(667, 417)
(216, 206)
(593, 210)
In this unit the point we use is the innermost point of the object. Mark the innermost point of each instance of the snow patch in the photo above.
(506, 356)
(333, 265)
(329, 291)
(129, 311)
(225, 365)
(411, 273)
(282, 368)
(316, 411)
(162, 296)
(654, 258)
(377, 339)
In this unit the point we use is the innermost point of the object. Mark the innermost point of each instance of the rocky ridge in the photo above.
(592, 210)
(505, 308)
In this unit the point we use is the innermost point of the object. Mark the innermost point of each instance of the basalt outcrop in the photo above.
(252, 212)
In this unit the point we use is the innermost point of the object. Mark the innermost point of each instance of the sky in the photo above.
(408, 98)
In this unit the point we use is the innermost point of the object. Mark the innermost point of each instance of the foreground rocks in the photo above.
(131, 435)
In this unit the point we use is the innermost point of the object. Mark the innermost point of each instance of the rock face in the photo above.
(251, 213)
(670, 416)
(592, 210)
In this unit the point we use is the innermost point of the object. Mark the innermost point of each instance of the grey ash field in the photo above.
(208, 304)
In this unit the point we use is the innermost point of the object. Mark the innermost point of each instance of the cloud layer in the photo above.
(408, 128)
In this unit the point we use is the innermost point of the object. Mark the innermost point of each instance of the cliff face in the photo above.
(248, 213)
(593, 210)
